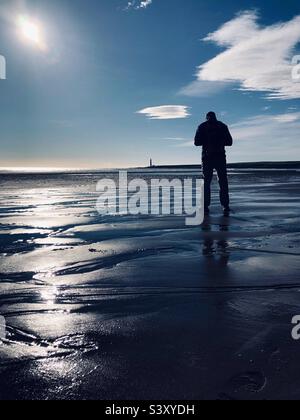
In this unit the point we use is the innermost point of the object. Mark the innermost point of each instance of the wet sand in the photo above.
(146, 308)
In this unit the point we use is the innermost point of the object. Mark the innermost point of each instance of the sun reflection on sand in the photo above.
(49, 295)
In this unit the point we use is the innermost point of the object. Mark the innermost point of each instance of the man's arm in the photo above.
(228, 137)
(199, 137)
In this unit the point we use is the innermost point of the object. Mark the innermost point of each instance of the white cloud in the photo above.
(139, 4)
(166, 112)
(257, 58)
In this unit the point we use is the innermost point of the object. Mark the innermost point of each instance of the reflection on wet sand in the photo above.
(146, 308)
(49, 295)
(215, 244)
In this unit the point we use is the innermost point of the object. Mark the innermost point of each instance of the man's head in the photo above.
(211, 116)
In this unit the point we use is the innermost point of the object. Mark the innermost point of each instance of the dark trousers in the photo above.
(210, 163)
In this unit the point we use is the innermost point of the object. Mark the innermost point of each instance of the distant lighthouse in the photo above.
(151, 163)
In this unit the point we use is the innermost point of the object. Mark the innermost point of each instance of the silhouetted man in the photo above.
(214, 136)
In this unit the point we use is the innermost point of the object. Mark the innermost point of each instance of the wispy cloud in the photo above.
(139, 4)
(174, 138)
(279, 128)
(166, 112)
(276, 137)
(257, 58)
(203, 88)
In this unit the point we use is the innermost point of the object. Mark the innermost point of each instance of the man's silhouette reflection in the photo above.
(215, 244)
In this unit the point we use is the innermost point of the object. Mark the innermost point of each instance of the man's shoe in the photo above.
(227, 211)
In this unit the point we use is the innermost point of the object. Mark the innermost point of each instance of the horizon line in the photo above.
(61, 168)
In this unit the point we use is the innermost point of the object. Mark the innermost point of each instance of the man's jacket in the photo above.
(213, 136)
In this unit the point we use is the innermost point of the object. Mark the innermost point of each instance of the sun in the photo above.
(30, 31)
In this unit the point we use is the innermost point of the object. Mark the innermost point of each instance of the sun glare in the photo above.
(30, 31)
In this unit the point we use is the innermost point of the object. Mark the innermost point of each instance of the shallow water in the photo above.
(145, 307)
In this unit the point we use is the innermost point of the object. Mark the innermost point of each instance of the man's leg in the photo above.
(221, 167)
(208, 173)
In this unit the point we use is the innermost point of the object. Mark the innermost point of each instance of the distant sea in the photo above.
(292, 165)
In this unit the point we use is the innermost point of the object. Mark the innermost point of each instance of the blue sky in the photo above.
(118, 82)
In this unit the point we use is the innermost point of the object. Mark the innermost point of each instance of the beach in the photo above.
(144, 307)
